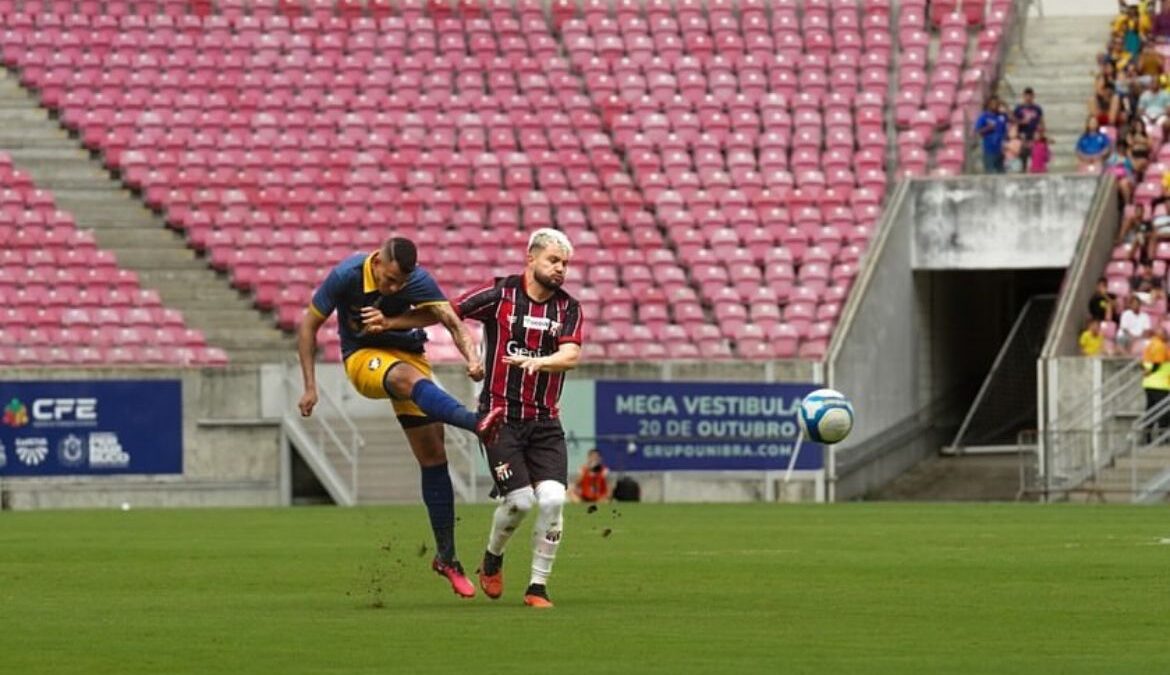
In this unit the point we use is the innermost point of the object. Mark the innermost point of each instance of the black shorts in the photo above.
(527, 453)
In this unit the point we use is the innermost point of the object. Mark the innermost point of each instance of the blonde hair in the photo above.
(545, 236)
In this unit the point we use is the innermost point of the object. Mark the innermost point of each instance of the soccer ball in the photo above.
(826, 416)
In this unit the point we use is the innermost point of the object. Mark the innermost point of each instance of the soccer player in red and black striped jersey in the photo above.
(532, 335)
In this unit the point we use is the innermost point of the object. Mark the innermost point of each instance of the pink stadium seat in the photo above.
(504, 118)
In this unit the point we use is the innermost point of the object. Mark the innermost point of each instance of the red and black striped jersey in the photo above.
(515, 324)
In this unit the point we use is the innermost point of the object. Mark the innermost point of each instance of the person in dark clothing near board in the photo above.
(1029, 116)
(1103, 304)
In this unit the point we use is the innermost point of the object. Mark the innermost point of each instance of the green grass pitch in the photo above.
(853, 588)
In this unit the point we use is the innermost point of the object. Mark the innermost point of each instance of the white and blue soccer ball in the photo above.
(826, 416)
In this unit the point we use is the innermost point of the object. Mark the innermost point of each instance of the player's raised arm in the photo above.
(374, 321)
(566, 357)
(462, 337)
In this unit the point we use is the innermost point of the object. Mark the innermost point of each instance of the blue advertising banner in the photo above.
(91, 428)
(701, 426)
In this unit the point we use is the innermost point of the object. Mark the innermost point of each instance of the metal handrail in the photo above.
(352, 451)
(1083, 406)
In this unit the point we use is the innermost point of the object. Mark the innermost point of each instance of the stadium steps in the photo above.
(1115, 484)
(1062, 50)
(956, 478)
(138, 237)
(387, 470)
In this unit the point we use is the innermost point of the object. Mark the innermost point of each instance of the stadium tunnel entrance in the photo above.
(985, 330)
(950, 316)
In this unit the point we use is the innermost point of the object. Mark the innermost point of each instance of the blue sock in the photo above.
(440, 500)
(439, 405)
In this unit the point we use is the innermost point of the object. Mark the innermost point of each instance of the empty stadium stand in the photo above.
(719, 165)
(66, 302)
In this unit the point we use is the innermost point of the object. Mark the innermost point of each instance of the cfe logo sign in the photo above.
(64, 412)
(91, 427)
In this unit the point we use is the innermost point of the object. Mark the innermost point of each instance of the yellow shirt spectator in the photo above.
(1157, 372)
(1141, 23)
(1092, 342)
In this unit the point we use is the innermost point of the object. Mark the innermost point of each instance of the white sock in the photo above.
(510, 511)
(546, 533)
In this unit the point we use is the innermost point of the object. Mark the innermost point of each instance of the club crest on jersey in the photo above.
(503, 472)
(374, 364)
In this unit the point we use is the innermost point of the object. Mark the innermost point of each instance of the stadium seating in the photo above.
(67, 303)
(944, 97)
(720, 166)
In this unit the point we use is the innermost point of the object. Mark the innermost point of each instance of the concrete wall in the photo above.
(1105, 9)
(977, 222)
(873, 357)
(1093, 250)
(230, 458)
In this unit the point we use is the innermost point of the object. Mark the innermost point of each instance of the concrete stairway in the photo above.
(387, 470)
(139, 238)
(1058, 61)
(1116, 484)
(961, 478)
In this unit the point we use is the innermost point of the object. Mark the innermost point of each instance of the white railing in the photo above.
(317, 435)
(1088, 438)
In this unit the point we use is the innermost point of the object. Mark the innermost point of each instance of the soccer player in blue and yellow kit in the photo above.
(392, 365)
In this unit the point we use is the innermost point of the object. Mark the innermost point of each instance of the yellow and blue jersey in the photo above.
(351, 286)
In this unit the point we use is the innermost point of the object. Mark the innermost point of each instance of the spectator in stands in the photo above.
(1149, 61)
(1144, 229)
(1153, 104)
(1013, 150)
(1155, 378)
(1128, 88)
(1143, 279)
(1120, 166)
(1138, 139)
(1093, 146)
(1103, 304)
(992, 126)
(1039, 154)
(1132, 27)
(1030, 117)
(593, 480)
(1140, 146)
(1134, 325)
(1104, 104)
(1092, 341)
(1115, 55)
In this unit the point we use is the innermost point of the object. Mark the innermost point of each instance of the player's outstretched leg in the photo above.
(546, 538)
(403, 381)
(507, 517)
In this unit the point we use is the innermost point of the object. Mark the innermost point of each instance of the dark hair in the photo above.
(402, 251)
(1028, 90)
